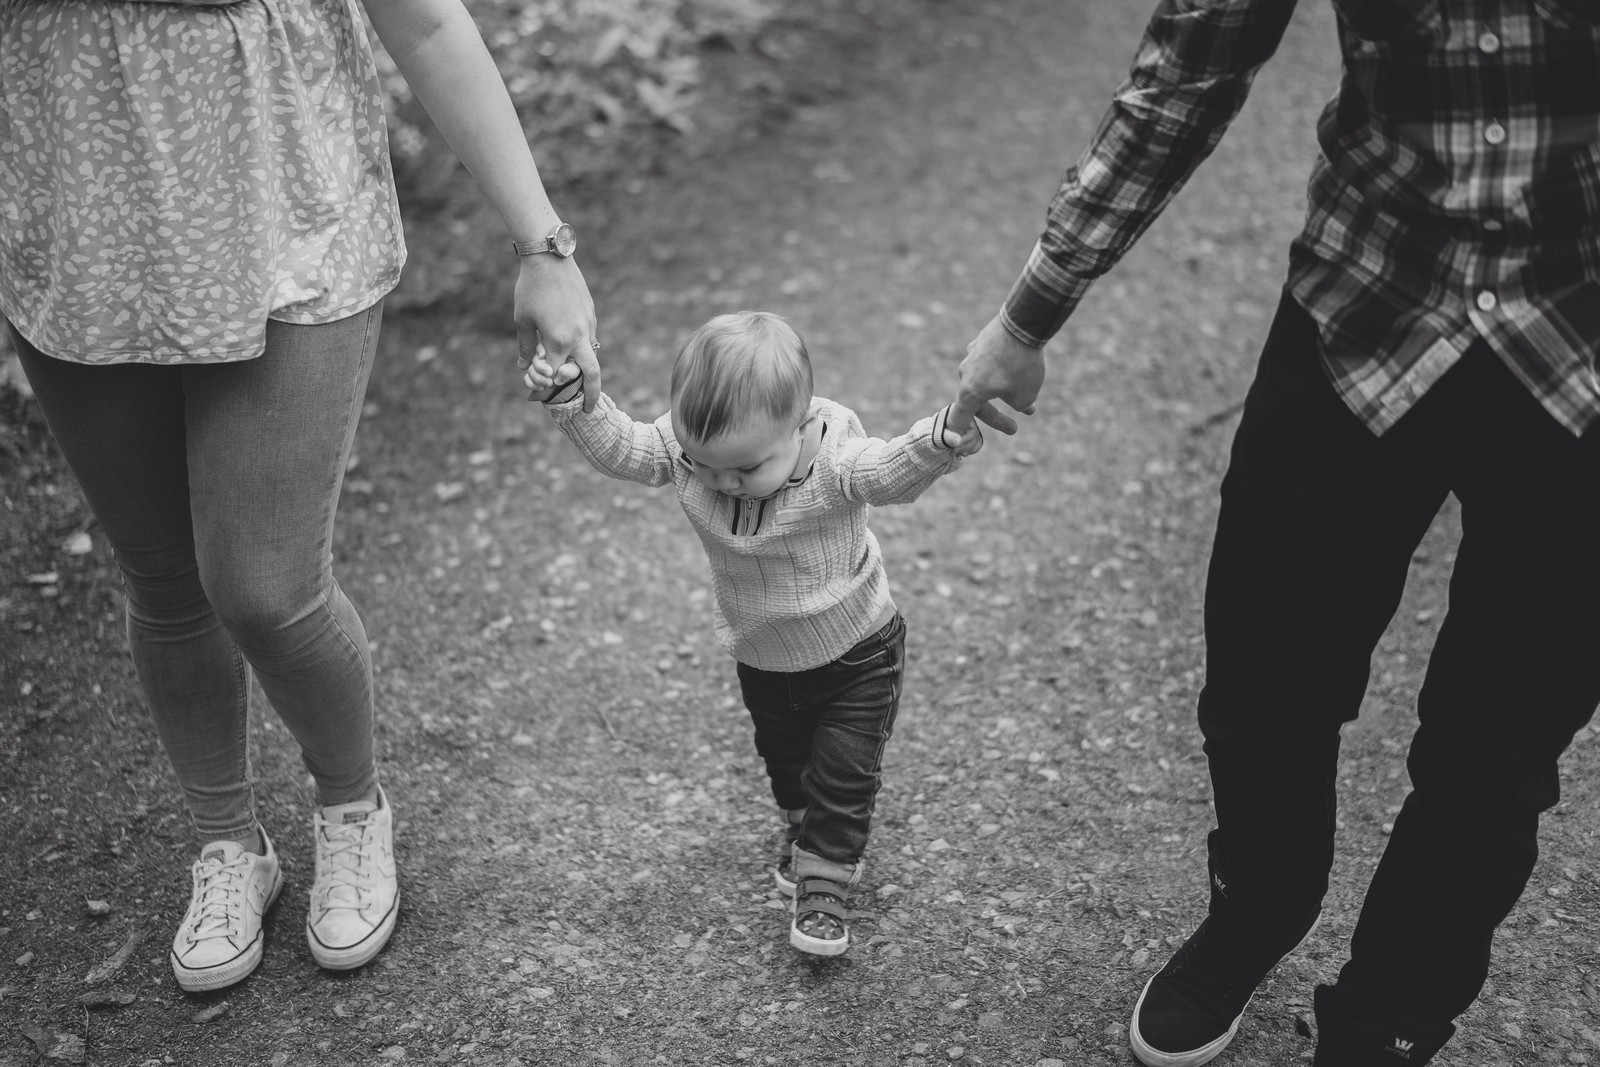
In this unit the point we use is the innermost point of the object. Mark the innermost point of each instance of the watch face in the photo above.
(563, 242)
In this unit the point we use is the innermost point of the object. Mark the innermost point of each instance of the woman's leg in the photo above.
(121, 429)
(267, 443)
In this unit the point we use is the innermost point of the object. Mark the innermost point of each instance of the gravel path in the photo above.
(584, 824)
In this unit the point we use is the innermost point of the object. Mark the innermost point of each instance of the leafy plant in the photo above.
(583, 73)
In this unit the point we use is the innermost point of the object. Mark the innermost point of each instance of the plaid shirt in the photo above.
(798, 576)
(1456, 194)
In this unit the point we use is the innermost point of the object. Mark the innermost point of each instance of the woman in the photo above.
(200, 229)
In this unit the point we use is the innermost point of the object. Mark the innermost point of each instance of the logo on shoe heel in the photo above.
(1401, 1048)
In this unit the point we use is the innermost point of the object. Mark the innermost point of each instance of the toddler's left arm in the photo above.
(874, 471)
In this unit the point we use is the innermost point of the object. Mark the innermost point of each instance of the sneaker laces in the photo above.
(341, 858)
(216, 901)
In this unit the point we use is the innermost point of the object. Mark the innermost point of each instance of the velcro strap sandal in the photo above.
(821, 924)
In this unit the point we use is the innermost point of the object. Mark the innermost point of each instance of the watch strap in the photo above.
(531, 248)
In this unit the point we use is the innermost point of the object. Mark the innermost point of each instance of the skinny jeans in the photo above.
(216, 486)
(1318, 523)
(822, 733)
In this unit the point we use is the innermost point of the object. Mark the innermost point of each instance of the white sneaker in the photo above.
(219, 941)
(355, 896)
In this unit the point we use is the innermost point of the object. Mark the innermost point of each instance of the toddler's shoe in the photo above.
(355, 895)
(821, 924)
(220, 938)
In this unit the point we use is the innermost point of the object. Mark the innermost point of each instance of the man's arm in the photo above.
(1189, 79)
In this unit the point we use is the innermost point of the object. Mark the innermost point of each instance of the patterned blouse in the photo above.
(172, 176)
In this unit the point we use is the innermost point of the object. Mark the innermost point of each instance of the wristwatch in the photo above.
(561, 242)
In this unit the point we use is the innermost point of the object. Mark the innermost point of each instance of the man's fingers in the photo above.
(990, 415)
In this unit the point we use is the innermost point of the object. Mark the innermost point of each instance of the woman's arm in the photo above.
(437, 48)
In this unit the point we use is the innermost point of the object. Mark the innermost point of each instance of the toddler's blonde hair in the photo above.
(736, 367)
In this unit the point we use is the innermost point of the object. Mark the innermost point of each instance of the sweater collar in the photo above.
(810, 445)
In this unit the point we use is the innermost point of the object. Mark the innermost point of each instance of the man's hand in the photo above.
(555, 322)
(998, 367)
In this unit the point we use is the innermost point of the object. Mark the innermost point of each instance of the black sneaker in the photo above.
(1346, 1041)
(1190, 1009)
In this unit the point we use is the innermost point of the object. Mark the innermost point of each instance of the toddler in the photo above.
(777, 483)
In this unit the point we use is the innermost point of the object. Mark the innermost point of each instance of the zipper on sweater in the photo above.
(747, 517)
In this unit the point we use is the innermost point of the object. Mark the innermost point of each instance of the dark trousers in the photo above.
(822, 733)
(1318, 522)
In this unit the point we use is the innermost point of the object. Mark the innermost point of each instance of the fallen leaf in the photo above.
(35, 1033)
(111, 966)
(106, 999)
(68, 1049)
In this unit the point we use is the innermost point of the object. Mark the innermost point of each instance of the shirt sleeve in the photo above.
(613, 443)
(1189, 79)
(874, 471)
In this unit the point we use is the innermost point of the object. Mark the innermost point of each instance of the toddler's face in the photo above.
(750, 463)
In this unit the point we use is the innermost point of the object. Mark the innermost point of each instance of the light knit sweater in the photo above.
(798, 577)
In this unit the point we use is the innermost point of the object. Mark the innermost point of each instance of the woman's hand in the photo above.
(556, 321)
(436, 46)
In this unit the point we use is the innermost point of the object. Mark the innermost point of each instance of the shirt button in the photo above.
(1493, 225)
(1494, 133)
(1488, 43)
(1486, 301)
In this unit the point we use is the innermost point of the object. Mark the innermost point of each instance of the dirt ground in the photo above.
(583, 827)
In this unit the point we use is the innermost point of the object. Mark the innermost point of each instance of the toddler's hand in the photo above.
(542, 381)
(963, 440)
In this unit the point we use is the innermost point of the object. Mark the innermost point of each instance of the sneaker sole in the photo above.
(223, 975)
(818, 946)
(358, 954)
(1154, 1057)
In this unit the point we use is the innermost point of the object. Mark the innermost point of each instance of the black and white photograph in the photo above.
(842, 533)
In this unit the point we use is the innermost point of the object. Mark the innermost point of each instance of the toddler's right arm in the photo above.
(613, 443)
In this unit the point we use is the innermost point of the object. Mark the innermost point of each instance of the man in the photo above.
(1438, 333)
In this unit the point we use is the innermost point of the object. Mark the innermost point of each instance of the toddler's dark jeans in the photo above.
(822, 734)
(1318, 524)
